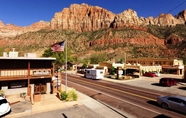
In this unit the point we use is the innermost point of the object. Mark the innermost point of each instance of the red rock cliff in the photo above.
(90, 18)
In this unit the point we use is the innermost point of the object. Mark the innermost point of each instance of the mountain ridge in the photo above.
(84, 17)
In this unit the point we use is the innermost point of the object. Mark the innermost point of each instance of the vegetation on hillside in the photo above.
(80, 45)
(164, 32)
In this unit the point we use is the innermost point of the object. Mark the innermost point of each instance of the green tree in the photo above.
(112, 70)
(184, 61)
(84, 61)
(60, 56)
(47, 53)
(1, 51)
(98, 57)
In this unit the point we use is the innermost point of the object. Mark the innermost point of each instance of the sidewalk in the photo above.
(83, 107)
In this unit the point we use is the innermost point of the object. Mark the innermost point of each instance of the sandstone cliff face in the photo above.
(90, 18)
(8, 30)
(173, 40)
(146, 40)
(181, 15)
(83, 17)
(11, 30)
(36, 26)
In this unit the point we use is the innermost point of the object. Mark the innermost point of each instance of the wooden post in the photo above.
(184, 75)
(53, 68)
(28, 76)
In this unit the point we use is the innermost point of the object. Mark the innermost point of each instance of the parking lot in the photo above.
(153, 83)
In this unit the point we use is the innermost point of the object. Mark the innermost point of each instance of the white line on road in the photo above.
(121, 99)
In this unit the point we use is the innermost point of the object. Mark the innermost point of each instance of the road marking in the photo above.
(133, 85)
(147, 98)
(120, 82)
(120, 99)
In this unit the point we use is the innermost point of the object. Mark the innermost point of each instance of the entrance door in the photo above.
(41, 88)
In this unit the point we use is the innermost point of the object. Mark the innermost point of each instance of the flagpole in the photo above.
(66, 69)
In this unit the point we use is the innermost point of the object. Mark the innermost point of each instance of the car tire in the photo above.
(164, 105)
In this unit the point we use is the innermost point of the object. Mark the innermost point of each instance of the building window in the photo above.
(17, 84)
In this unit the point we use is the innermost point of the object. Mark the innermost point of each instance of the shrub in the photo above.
(23, 95)
(143, 71)
(2, 93)
(63, 95)
(71, 95)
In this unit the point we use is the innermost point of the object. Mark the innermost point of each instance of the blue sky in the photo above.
(26, 12)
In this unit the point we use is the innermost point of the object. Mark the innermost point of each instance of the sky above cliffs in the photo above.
(27, 12)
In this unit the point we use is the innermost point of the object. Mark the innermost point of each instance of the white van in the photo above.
(94, 73)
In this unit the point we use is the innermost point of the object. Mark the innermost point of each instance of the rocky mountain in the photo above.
(83, 17)
(10, 30)
(92, 28)
(90, 18)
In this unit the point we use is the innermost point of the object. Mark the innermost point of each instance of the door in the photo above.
(182, 107)
(41, 88)
(175, 104)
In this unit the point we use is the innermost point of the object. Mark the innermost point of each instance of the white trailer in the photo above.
(94, 73)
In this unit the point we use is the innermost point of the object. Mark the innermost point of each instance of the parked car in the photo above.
(167, 82)
(4, 106)
(173, 102)
(156, 73)
(149, 74)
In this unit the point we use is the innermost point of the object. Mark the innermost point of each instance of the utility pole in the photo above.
(125, 65)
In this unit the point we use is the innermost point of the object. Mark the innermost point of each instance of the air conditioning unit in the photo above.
(13, 54)
(5, 54)
(30, 55)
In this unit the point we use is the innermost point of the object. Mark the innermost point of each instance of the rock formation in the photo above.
(90, 18)
(10, 30)
(83, 17)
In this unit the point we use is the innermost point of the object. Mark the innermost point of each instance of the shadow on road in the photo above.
(153, 103)
(162, 116)
(182, 88)
(157, 84)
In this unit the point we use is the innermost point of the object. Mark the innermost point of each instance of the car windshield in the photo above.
(3, 101)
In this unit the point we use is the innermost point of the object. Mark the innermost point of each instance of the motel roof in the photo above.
(27, 58)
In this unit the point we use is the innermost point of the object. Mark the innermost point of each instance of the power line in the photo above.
(177, 6)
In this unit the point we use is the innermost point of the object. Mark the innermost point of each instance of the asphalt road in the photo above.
(137, 101)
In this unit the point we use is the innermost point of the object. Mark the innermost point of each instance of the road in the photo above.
(139, 102)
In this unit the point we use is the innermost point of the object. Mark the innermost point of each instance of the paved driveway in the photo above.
(22, 106)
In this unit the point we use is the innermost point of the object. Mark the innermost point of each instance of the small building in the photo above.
(172, 66)
(109, 65)
(26, 74)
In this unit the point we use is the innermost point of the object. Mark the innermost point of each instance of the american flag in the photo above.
(58, 47)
